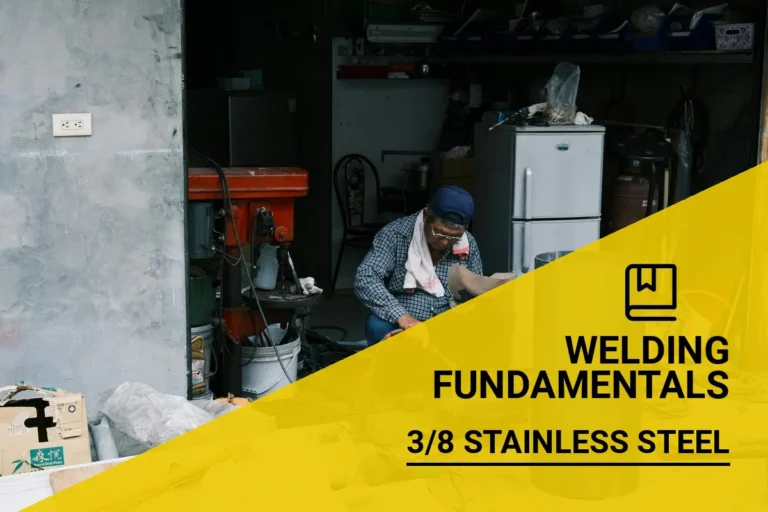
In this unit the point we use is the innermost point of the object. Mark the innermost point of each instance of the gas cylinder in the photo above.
(630, 199)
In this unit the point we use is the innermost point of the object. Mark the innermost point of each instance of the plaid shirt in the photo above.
(380, 277)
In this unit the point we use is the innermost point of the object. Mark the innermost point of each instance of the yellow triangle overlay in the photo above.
(339, 440)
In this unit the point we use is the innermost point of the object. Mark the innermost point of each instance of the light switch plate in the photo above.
(72, 125)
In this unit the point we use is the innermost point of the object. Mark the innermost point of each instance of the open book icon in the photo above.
(650, 292)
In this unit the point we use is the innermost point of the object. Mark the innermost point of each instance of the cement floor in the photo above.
(342, 311)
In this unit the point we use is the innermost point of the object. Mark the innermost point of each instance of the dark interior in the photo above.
(291, 43)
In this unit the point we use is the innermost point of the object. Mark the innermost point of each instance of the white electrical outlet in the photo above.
(72, 125)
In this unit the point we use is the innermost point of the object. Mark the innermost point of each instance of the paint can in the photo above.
(204, 397)
(202, 356)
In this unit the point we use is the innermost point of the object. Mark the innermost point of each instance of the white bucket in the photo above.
(262, 373)
(203, 371)
(207, 397)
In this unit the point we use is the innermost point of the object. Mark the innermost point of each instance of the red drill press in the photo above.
(233, 208)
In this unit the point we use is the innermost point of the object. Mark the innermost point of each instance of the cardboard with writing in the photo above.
(41, 428)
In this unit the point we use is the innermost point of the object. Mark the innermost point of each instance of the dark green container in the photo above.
(202, 297)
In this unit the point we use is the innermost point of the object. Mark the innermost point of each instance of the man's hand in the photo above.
(407, 321)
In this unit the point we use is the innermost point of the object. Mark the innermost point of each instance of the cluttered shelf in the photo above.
(677, 58)
(436, 66)
(649, 36)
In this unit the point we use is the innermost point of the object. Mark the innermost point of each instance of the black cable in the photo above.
(229, 211)
(253, 349)
(343, 331)
(221, 335)
(320, 344)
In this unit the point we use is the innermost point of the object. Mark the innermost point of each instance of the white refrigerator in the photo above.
(537, 189)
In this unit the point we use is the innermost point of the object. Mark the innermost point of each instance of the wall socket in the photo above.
(72, 125)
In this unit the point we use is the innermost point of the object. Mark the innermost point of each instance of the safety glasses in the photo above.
(441, 235)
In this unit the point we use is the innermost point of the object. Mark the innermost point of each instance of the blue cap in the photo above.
(453, 200)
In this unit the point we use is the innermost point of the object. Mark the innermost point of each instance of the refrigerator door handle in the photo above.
(528, 191)
(527, 242)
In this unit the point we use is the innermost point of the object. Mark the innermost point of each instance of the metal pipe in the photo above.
(231, 286)
(232, 298)
(185, 165)
(762, 143)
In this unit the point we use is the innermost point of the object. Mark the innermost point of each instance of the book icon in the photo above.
(650, 292)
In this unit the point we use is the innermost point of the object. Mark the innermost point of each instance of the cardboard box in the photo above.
(41, 429)
(456, 171)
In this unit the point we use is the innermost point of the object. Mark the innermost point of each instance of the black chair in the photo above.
(350, 194)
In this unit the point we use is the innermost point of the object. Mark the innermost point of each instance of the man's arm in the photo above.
(474, 263)
(376, 268)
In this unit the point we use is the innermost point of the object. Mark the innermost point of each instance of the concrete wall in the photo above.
(92, 264)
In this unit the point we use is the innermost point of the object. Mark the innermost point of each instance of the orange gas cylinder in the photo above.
(630, 199)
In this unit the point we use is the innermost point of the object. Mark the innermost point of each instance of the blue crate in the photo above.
(701, 38)
(649, 42)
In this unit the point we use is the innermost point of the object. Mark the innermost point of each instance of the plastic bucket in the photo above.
(262, 373)
(548, 257)
(203, 372)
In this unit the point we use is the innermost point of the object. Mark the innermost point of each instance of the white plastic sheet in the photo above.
(142, 418)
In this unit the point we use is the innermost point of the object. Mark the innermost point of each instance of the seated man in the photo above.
(403, 279)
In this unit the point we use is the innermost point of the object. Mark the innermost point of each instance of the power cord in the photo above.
(322, 350)
(343, 331)
(229, 212)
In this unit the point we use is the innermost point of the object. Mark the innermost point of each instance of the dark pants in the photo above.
(376, 329)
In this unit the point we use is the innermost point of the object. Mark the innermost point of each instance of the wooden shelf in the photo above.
(679, 58)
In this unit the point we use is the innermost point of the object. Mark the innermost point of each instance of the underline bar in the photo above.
(569, 464)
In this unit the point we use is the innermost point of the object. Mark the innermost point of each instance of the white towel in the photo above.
(419, 269)
(308, 286)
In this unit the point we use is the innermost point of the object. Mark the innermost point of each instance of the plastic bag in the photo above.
(562, 90)
(647, 19)
(127, 447)
(151, 418)
(681, 140)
